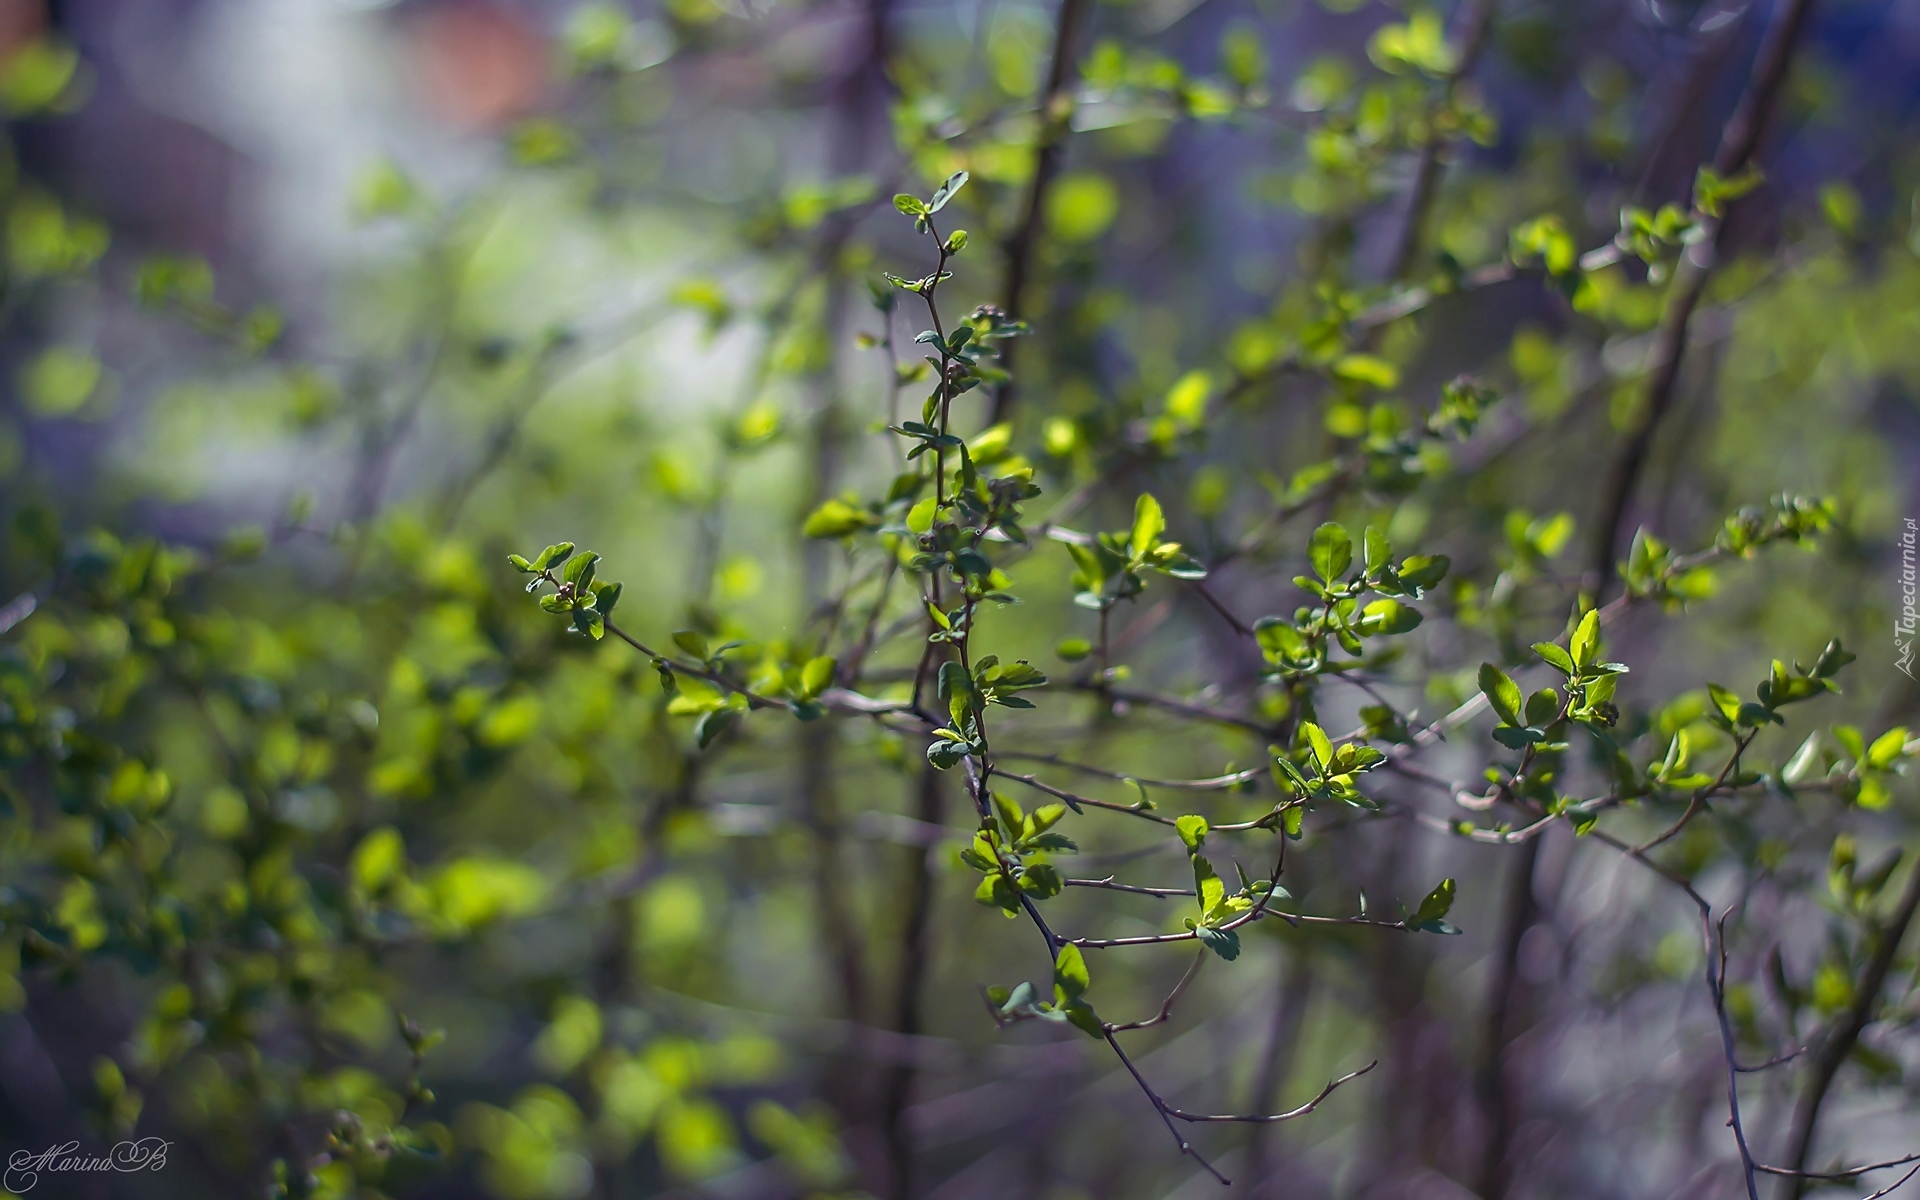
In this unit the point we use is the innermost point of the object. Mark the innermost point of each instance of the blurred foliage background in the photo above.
(329, 857)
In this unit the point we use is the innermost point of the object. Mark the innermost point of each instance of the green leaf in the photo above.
(1224, 942)
(1081, 1016)
(1437, 904)
(520, 564)
(835, 519)
(1420, 572)
(714, 724)
(606, 596)
(1368, 370)
(1542, 707)
(1148, 524)
(1584, 646)
(1726, 705)
(589, 622)
(579, 571)
(1501, 692)
(1206, 885)
(1887, 748)
(920, 516)
(1388, 616)
(1193, 831)
(1831, 659)
(1379, 551)
(1331, 551)
(60, 380)
(1070, 977)
(946, 192)
(1042, 881)
(1804, 762)
(1317, 738)
(1515, 737)
(692, 641)
(1007, 811)
(995, 892)
(1187, 401)
(816, 676)
(553, 556)
(1074, 649)
(1555, 657)
(913, 206)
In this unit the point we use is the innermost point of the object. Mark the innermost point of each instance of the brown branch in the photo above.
(1698, 801)
(1496, 1095)
(1738, 141)
(1110, 885)
(1166, 1114)
(1052, 101)
(1215, 783)
(1841, 1040)
(1476, 24)
(915, 962)
(1292, 994)
(1132, 810)
(1185, 708)
(1714, 935)
(1332, 1086)
(1166, 1008)
(1842, 1175)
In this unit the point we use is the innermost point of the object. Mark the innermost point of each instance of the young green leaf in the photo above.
(1501, 692)
(1317, 738)
(1070, 977)
(1584, 646)
(1331, 551)
(946, 192)
(1148, 524)
(816, 676)
(1193, 831)
(1555, 657)
(1379, 551)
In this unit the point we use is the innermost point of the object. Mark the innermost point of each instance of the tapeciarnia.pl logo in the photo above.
(25, 1166)
(1903, 625)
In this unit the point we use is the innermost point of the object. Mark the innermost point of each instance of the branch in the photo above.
(1476, 23)
(1053, 100)
(1843, 1175)
(1714, 934)
(1110, 885)
(1185, 708)
(1073, 798)
(1841, 1040)
(1166, 1008)
(1303, 1110)
(1699, 798)
(1738, 141)
(1212, 784)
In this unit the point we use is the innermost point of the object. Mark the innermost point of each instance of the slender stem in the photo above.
(1496, 1097)
(915, 965)
(1476, 23)
(1046, 165)
(1845, 1034)
(1738, 142)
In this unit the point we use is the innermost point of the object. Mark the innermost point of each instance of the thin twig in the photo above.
(1738, 142)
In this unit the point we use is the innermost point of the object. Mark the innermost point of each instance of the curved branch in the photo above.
(1332, 1086)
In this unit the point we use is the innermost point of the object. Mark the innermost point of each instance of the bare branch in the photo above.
(1166, 1008)
(1332, 1086)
